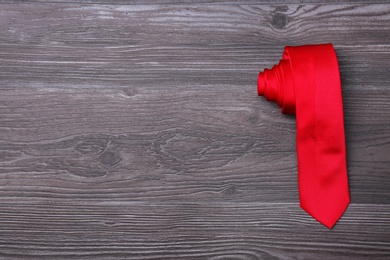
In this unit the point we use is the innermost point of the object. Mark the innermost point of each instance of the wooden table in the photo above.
(134, 130)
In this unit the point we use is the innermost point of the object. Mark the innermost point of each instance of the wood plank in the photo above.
(179, 2)
(58, 24)
(130, 230)
(64, 46)
(199, 141)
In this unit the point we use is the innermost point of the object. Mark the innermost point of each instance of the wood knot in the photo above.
(281, 8)
(252, 119)
(109, 158)
(279, 21)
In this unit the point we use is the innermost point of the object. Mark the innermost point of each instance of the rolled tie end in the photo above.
(276, 85)
(261, 85)
(267, 84)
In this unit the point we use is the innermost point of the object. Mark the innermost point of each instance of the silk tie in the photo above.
(306, 82)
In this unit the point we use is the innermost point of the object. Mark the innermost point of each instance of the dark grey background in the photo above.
(133, 130)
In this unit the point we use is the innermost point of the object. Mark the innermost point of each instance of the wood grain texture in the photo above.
(126, 230)
(135, 132)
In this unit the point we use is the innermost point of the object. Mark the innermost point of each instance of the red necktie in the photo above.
(306, 82)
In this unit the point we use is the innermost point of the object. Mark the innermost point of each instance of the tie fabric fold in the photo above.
(306, 82)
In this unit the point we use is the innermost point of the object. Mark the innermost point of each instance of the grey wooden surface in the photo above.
(133, 130)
